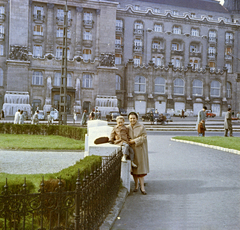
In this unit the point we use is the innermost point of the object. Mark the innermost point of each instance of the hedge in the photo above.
(77, 133)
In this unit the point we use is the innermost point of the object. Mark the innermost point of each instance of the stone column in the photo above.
(97, 33)
(50, 28)
(170, 103)
(78, 34)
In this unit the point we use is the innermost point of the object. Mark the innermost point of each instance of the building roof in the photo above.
(194, 4)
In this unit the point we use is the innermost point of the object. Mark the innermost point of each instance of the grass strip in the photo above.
(225, 142)
(39, 142)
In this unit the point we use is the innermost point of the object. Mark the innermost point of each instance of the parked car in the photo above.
(210, 114)
(41, 115)
(178, 113)
(26, 116)
(55, 115)
(123, 112)
(168, 117)
(157, 118)
(112, 116)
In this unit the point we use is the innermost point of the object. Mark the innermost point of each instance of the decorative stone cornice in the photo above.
(50, 5)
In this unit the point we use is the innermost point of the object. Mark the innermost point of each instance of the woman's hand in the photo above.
(131, 142)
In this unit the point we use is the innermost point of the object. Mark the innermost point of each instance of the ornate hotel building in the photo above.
(169, 55)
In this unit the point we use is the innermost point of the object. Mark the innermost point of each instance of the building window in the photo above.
(140, 84)
(157, 10)
(137, 60)
(138, 25)
(229, 38)
(193, 48)
(87, 16)
(176, 62)
(59, 52)
(2, 10)
(1, 50)
(229, 90)
(215, 89)
(156, 45)
(210, 17)
(137, 7)
(60, 14)
(87, 35)
(197, 88)
(175, 46)
(118, 40)
(119, 25)
(57, 79)
(178, 85)
(118, 59)
(37, 51)
(175, 12)
(193, 15)
(229, 67)
(38, 30)
(38, 12)
(211, 65)
(157, 61)
(158, 28)
(176, 29)
(194, 32)
(159, 86)
(87, 81)
(1, 77)
(69, 80)
(138, 42)
(60, 33)
(87, 54)
(212, 51)
(37, 78)
(212, 36)
(118, 82)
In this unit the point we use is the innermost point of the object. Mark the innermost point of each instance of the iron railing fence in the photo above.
(85, 208)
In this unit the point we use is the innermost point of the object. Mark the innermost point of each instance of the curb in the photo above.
(208, 146)
(113, 213)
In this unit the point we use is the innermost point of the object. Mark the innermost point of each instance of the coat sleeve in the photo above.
(112, 135)
(141, 138)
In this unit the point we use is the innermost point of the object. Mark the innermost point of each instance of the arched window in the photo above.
(197, 89)
(87, 81)
(159, 86)
(176, 30)
(178, 86)
(87, 54)
(140, 84)
(118, 82)
(215, 89)
(1, 77)
(229, 90)
(38, 30)
(37, 78)
(57, 79)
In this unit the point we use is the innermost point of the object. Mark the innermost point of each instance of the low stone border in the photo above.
(113, 214)
(208, 146)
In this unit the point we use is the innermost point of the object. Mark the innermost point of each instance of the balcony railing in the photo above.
(138, 31)
(212, 39)
(228, 57)
(229, 41)
(119, 29)
(158, 50)
(2, 17)
(177, 52)
(88, 24)
(2, 36)
(137, 48)
(118, 46)
(38, 18)
(195, 54)
(60, 21)
(212, 55)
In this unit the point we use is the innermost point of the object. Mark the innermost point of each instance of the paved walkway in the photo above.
(34, 162)
(189, 187)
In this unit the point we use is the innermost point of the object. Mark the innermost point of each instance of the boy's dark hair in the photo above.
(229, 109)
(205, 107)
(133, 113)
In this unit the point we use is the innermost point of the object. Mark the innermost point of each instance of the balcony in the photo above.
(195, 54)
(38, 38)
(119, 30)
(88, 24)
(39, 19)
(229, 41)
(118, 48)
(212, 55)
(212, 40)
(87, 43)
(60, 21)
(228, 57)
(158, 50)
(59, 40)
(2, 37)
(138, 32)
(177, 52)
(138, 49)
(2, 18)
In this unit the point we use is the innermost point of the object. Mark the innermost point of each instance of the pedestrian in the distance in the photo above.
(138, 142)
(228, 123)
(35, 120)
(201, 129)
(16, 118)
(21, 118)
(151, 117)
(92, 115)
(201, 116)
(84, 118)
(183, 114)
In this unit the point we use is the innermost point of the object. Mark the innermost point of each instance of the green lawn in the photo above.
(28, 142)
(225, 142)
